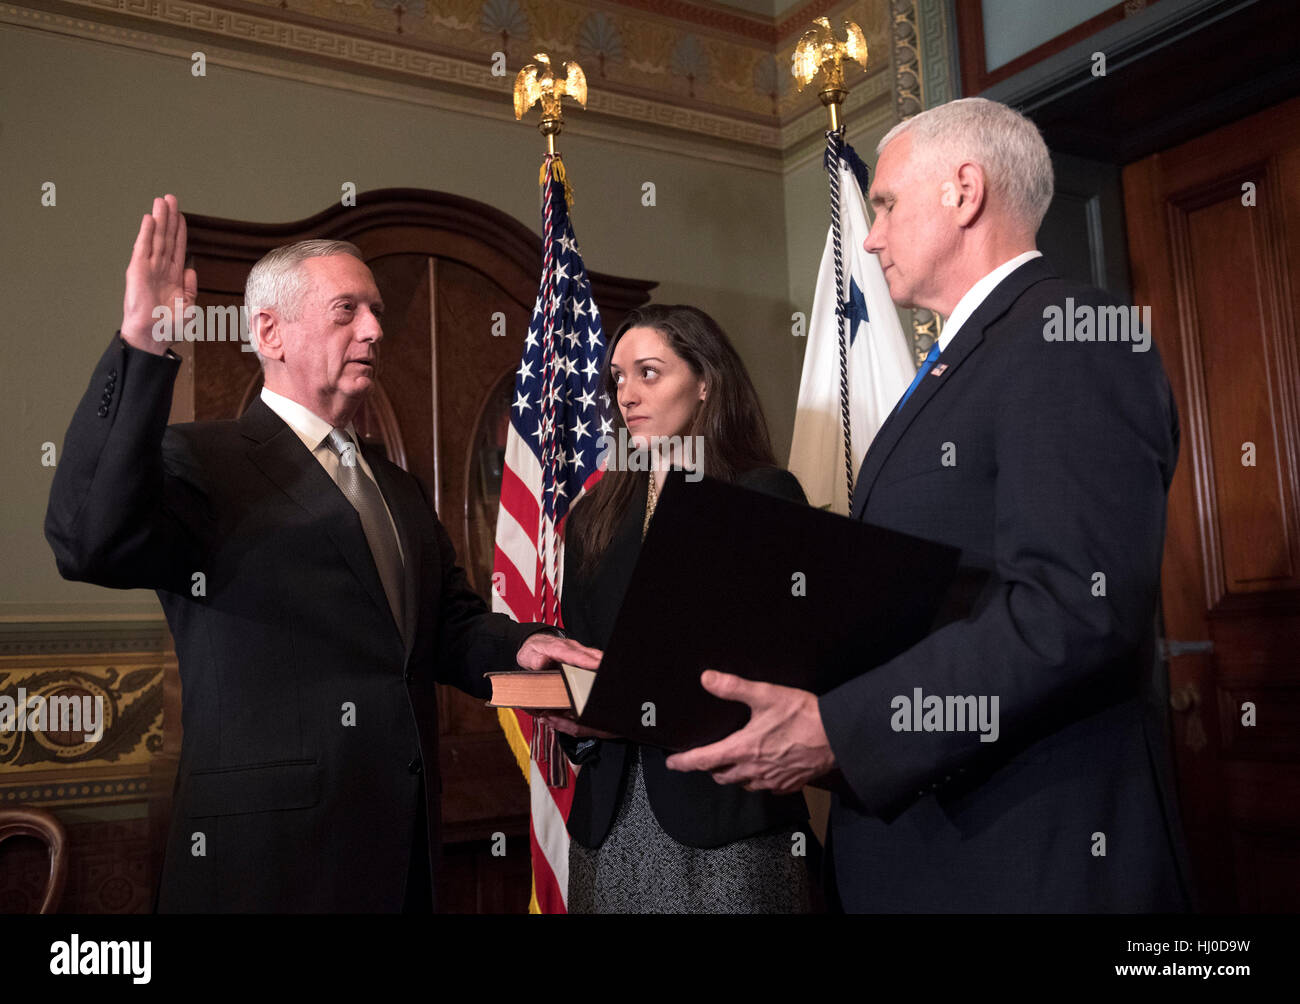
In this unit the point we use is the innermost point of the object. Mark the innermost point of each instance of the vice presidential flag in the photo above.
(879, 363)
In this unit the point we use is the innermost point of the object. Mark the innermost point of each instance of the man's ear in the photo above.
(967, 194)
(264, 329)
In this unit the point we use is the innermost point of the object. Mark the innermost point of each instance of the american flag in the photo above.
(558, 415)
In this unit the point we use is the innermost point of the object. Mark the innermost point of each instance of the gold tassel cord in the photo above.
(555, 164)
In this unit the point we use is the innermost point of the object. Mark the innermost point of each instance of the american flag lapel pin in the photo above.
(938, 370)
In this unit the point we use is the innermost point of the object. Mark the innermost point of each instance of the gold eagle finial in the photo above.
(818, 48)
(538, 82)
(819, 51)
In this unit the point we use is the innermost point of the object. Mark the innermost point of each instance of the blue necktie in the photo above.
(920, 375)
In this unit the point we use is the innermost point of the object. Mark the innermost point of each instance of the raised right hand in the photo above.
(157, 277)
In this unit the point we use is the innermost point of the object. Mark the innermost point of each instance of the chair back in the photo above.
(44, 826)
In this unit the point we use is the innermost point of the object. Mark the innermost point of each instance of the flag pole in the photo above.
(547, 83)
(820, 53)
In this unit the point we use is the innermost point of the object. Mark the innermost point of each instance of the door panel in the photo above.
(1214, 240)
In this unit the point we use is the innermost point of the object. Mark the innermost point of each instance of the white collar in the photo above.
(310, 427)
(977, 294)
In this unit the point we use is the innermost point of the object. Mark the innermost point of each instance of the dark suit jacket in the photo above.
(691, 807)
(1059, 461)
(283, 635)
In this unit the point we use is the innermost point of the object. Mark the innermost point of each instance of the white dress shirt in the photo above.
(977, 294)
(314, 432)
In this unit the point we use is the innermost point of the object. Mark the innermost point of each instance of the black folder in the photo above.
(771, 590)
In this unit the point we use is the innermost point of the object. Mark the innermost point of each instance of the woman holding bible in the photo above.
(646, 839)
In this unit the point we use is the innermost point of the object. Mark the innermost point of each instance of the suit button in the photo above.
(415, 767)
(103, 411)
(112, 374)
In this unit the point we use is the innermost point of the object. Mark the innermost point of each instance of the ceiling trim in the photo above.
(459, 82)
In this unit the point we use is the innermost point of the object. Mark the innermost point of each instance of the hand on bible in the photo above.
(157, 277)
(544, 650)
(782, 748)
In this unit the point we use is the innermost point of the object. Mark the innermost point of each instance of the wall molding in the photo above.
(78, 635)
(243, 36)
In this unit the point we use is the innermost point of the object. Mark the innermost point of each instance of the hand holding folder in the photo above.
(781, 749)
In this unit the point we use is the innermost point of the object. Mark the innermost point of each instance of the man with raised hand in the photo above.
(313, 595)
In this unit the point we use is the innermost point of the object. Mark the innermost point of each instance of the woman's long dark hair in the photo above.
(729, 419)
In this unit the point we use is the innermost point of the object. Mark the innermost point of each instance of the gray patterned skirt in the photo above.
(641, 869)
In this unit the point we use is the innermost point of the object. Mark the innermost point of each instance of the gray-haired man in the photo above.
(1047, 462)
(312, 593)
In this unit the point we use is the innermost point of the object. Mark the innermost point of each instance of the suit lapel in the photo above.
(968, 339)
(283, 458)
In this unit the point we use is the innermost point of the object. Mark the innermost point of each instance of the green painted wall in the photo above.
(112, 126)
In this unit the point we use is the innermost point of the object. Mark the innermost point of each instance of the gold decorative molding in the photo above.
(647, 60)
(121, 659)
(48, 763)
(909, 100)
(909, 90)
(67, 792)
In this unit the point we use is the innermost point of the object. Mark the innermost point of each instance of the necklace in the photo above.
(652, 496)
